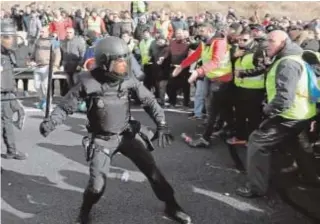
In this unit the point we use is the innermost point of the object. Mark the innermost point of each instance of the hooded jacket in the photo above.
(288, 74)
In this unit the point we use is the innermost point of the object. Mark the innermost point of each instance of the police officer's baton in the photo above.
(49, 89)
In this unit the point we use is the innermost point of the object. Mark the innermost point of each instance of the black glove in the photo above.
(17, 107)
(46, 127)
(21, 119)
(164, 136)
(88, 148)
(268, 110)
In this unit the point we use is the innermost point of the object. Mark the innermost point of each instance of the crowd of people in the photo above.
(159, 41)
(251, 76)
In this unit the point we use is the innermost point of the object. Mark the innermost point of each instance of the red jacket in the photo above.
(219, 50)
(68, 22)
(59, 27)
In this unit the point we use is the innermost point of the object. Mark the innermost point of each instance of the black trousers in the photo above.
(133, 148)
(6, 123)
(229, 111)
(177, 83)
(277, 133)
(150, 81)
(25, 84)
(217, 108)
(248, 111)
(63, 87)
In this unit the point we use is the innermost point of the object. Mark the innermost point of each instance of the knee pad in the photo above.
(97, 184)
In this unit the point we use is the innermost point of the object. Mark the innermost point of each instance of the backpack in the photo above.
(312, 58)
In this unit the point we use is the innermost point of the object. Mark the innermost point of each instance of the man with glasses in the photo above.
(249, 89)
(214, 53)
(289, 113)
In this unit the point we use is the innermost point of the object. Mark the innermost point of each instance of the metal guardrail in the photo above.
(24, 73)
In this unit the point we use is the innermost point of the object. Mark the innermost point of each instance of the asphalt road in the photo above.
(47, 187)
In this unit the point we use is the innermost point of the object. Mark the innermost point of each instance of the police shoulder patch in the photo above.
(100, 103)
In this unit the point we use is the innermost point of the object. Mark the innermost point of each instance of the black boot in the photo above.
(247, 191)
(175, 212)
(89, 199)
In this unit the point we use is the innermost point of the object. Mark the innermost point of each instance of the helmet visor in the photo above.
(120, 66)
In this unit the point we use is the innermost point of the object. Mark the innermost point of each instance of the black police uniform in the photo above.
(112, 130)
(8, 107)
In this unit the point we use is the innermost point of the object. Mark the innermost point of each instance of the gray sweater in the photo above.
(34, 27)
(72, 53)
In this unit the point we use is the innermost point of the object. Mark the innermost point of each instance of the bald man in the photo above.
(288, 111)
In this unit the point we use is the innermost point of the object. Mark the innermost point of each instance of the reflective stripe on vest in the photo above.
(144, 50)
(131, 45)
(94, 25)
(244, 63)
(224, 67)
(301, 108)
(163, 27)
(139, 6)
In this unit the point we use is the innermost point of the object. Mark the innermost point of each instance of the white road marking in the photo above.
(32, 110)
(8, 208)
(235, 203)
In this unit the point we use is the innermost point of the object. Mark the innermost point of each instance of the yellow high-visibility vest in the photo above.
(244, 63)
(224, 67)
(301, 108)
(139, 6)
(144, 47)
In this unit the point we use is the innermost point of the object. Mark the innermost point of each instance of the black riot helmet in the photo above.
(8, 34)
(107, 51)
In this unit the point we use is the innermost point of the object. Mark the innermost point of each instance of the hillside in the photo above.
(296, 10)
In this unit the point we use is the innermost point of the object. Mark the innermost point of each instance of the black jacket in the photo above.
(7, 76)
(106, 85)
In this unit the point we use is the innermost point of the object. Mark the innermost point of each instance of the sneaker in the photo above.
(236, 141)
(200, 143)
(15, 155)
(193, 117)
(291, 168)
(177, 214)
(42, 104)
(38, 105)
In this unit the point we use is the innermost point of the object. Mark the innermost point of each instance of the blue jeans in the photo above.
(202, 88)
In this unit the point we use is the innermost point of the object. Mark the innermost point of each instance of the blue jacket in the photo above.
(90, 51)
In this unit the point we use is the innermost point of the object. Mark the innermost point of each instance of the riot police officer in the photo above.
(9, 104)
(111, 128)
